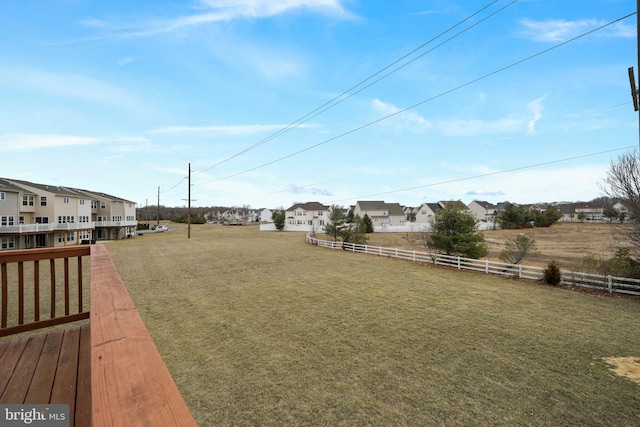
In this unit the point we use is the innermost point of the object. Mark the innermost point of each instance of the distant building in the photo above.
(382, 214)
(38, 216)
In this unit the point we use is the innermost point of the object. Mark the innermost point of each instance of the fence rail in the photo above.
(611, 284)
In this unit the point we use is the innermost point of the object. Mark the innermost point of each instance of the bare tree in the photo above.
(623, 183)
(517, 249)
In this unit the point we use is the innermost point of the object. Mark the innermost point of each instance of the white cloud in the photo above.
(31, 141)
(473, 127)
(407, 120)
(224, 130)
(414, 122)
(16, 142)
(559, 30)
(127, 60)
(67, 85)
(215, 11)
(536, 108)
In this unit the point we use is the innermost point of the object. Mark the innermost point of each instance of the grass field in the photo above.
(263, 329)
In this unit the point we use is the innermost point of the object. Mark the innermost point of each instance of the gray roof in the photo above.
(309, 206)
(375, 205)
(8, 185)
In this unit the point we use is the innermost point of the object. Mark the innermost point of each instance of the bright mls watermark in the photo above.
(34, 415)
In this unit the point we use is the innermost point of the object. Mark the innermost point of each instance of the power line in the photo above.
(432, 154)
(488, 174)
(346, 94)
(485, 76)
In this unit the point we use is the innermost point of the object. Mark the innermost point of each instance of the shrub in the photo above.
(552, 274)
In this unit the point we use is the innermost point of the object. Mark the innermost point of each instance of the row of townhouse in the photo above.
(40, 216)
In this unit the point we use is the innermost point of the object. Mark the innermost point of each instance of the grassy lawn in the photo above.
(263, 329)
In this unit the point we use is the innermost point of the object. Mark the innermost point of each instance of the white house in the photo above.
(310, 216)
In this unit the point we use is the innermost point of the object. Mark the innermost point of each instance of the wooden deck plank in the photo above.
(19, 383)
(131, 383)
(45, 373)
(64, 385)
(83, 395)
(10, 356)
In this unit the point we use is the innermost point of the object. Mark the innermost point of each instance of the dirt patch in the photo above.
(628, 367)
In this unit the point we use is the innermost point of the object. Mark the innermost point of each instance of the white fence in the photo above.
(609, 284)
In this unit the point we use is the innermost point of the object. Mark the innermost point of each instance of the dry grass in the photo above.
(566, 243)
(263, 329)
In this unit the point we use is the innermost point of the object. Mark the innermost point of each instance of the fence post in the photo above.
(519, 272)
(458, 263)
(610, 279)
(486, 269)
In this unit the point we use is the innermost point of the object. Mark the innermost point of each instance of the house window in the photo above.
(116, 218)
(65, 219)
(83, 218)
(43, 200)
(28, 200)
(319, 213)
(7, 243)
(103, 205)
(3, 195)
(322, 222)
(7, 220)
(82, 202)
(71, 237)
(42, 220)
(21, 220)
(83, 235)
(60, 237)
(94, 204)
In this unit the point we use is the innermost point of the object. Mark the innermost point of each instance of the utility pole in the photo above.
(632, 78)
(189, 204)
(158, 216)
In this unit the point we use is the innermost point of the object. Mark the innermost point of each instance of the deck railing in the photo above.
(129, 382)
(24, 304)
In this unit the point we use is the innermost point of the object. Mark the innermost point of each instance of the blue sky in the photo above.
(275, 102)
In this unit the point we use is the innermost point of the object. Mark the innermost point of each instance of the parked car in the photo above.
(159, 228)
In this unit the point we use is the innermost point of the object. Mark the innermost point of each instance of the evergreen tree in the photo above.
(336, 222)
(454, 232)
(355, 232)
(368, 224)
(278, 219)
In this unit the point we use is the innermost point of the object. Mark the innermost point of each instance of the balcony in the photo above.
(104, 365)
(46, 228)
(116, 223)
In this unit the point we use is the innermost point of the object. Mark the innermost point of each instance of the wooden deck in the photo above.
(50, 368)
(108, 370)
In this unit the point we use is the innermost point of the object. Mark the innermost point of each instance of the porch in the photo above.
(104, 365)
